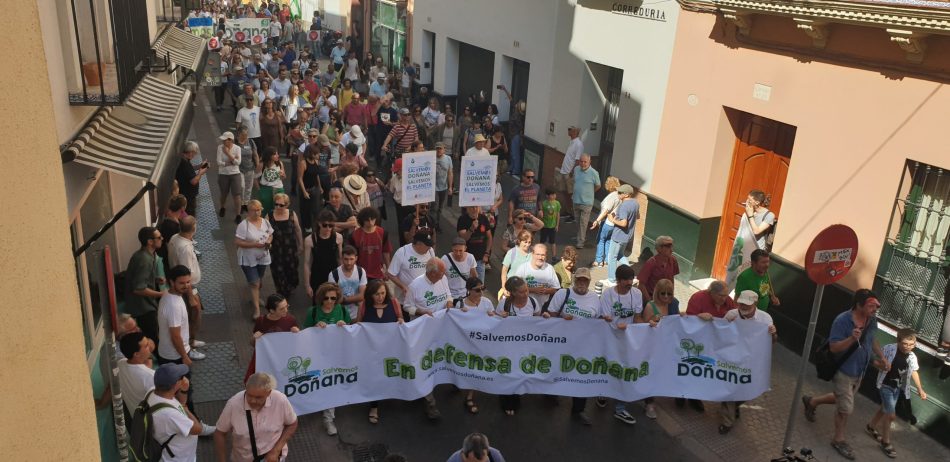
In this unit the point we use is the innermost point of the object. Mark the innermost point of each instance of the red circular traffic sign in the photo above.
(831, 254)
(239, 36)
(313, 36)
(258, 39)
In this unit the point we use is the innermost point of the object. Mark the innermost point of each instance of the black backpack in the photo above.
(511, 311)
(143, 447)
(336, 273)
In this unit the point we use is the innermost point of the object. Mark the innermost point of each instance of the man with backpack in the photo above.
(163, 429)
(351, 279)
(575, 302)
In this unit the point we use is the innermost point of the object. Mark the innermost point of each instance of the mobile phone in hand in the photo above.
(204, 164)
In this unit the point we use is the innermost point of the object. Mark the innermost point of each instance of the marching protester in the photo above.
(622, 306)
(322, 252)
(253, 238)
(327, 310)
(260, 421)
(461, 267)
(409, 262)
(378, 306)
(516, 303)
(541, 277)
(351, 279)
(892, 383)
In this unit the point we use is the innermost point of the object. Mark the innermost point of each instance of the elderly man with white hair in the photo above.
(586, 183)
(261, 421)
(430, 292)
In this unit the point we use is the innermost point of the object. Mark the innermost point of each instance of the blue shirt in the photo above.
(841, 329)
(337, 54)
(289, 57)
(627, 210)
(378, 89)
(584, 183)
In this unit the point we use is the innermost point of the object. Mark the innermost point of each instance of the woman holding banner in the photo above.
(325, 311)
(475, 301)
(380, 307)
(518, 303)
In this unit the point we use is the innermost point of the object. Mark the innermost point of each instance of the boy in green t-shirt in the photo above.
(551, 215)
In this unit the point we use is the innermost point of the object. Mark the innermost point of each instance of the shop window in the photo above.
(913, 271)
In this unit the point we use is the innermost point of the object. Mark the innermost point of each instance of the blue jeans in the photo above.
(480, 269)
(614, 256)
(603, 241)
(889, 396)
(517, 155)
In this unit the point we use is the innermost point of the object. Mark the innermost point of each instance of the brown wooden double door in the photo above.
(760, 160)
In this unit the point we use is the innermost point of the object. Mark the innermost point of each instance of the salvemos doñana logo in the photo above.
(303, 381)
(694, 363)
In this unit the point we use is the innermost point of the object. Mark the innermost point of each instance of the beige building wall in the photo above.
(855, 130)
(48, 410)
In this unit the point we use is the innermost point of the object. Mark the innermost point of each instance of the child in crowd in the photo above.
(551, 215)
(891, 383)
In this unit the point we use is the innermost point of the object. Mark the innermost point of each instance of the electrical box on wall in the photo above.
(552, 127)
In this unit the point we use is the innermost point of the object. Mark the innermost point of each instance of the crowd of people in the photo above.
(333, 127)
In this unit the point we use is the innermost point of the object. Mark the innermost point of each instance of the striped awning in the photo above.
(137, 138)
(184, 49)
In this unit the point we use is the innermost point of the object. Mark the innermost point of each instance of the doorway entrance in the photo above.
(475, 72)
(760, 160)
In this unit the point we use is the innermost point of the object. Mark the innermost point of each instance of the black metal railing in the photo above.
(108, 72)
(176, 10)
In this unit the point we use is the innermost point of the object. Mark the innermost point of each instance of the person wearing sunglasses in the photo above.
(663, 265)
(286, 246)
(474, 301)
(526, 196)
(322, 252)
(664, 304)
(327, 310)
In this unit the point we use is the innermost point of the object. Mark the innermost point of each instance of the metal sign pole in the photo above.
(806, 352)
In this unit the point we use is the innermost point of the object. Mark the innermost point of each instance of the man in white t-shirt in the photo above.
(540, 275)
(429, 292)
(174, 425)
(351, 279)
(562, 178)
(479, 148)
(622, 305)
(746, 309)
(409, 261)
(250, 116)
(136, 376)
(173, 327)
(577, 302)
(460, 265)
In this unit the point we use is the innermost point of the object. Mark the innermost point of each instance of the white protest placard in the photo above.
(478, 180)
(418, 177)
(319, 368)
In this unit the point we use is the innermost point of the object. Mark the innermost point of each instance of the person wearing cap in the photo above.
(355, 136)
(542, 280)
(562, 178)
(230, 180)
(355, 188)
(354, 113)
(478, 146)
(444, 180)
(338, 55)
(272, 417)
(460, 266)
(662, 265)
(745, 310)
(756, 278)
(624, 220)
(409, 262)
(622, 306)
(575, 302)
(379, 87)
(174, 423)
(853, 340)
(403, 134)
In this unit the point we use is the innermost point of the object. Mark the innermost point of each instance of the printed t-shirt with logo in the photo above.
(526, 197)
(622, 308)
(544, 277)
(350, 285)
(750, 280)
(407, 265)
(456, 280)
(578, 306)
(530, 308)
(551, 211)
(423, 294)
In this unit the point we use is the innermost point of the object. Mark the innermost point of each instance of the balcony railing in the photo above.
(111, 41)
(175, 10)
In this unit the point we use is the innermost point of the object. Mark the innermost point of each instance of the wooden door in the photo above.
(760, 161)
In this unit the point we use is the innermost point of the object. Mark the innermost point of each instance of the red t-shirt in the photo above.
(266, 326)
(370, 248)
(651, 273)
(702, 302)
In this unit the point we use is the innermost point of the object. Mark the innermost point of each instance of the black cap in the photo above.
(423, 237)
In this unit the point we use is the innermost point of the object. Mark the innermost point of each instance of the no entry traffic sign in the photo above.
(831, 254)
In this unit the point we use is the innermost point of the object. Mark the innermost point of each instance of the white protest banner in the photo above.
(418, 177)
(320, 368)
(254, 30)
(478, 180)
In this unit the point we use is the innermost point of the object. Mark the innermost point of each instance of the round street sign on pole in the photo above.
(829, 258)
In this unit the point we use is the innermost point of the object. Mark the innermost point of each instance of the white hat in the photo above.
(354, 184)
(747, 297)
(381, 75)
(356, 133)
(226, 136)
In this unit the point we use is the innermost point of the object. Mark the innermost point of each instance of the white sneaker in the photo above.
(331, 427)
(625, 417)
(198, 344)
(196, 355)
(207, 430)
(651, 411)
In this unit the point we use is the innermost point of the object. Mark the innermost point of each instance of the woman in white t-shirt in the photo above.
(518, 304)
(474, 301)
(253, 238)
(460, 266)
